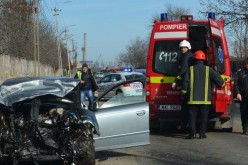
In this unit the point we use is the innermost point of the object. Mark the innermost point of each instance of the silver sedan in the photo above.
(123, 121)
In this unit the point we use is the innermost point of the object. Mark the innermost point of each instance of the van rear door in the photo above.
(217, 62)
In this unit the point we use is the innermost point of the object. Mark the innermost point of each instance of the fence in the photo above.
(16, 67)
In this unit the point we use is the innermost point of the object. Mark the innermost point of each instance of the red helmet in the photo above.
(200, 55)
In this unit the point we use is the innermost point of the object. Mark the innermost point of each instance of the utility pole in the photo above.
(68, 54)
(36, 39)
(58, 41)
(74, 57)
(84, 49)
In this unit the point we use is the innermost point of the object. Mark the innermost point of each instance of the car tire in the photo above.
(119, 92)
(87, 151)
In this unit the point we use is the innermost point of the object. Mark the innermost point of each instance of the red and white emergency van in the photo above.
(162, 67)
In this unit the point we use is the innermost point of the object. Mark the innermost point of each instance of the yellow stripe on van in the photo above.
(159, 80)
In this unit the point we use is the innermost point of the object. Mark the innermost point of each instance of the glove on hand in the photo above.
(174, 85)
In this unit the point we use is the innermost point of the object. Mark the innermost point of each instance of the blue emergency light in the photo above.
(127, 70)
(163, 17)
(211, 15)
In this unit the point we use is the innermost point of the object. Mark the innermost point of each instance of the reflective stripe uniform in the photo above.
(90, 81)
(197, 83)
(184, 64)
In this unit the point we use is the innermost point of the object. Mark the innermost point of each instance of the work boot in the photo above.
(203, 136)
(191, 136)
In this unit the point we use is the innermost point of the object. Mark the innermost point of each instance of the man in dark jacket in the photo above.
(197, 84)
(185, 62)
(241, 89)
(88, 84)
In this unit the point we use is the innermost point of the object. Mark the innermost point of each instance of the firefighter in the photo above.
(197, 85)
(184, 63)
(241, 89)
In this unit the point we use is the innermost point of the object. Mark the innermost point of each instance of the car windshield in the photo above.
(120, 99)
(124, 93)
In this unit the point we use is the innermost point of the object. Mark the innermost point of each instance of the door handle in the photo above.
(141, 113)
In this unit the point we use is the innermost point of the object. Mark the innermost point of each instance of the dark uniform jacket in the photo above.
(241, 83)
(184, 64)
(89, 79)
(197, 83)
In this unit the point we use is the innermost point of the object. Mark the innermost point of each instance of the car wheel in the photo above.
(87, 151)
(119, 95)
(119, 92)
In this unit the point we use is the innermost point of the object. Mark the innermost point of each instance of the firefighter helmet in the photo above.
(200, 55)
(185, 43)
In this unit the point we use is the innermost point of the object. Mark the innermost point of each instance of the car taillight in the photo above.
(126, 85)
(148, 89)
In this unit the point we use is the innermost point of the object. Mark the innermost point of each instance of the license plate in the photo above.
(169, 107)
(136, 85)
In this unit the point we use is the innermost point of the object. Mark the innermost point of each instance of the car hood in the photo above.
(19, 89)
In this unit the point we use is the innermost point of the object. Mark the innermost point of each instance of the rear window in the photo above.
(134, 76)
(166, 57)
(219, 57)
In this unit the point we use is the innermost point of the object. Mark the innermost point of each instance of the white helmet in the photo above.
(185, 43)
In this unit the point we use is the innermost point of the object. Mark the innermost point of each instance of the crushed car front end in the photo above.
(42, 120)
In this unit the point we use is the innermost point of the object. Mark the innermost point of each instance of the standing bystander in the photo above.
(88, 84)
(197, 84)
(241, 89)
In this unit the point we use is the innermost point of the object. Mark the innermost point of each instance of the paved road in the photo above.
(170, 147)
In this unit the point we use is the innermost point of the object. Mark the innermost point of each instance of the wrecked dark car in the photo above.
(42, 122)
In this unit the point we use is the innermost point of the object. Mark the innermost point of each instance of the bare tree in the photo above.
(16, 27)
(174, 12)
(17, 33)
(135, 54)
(235, 13)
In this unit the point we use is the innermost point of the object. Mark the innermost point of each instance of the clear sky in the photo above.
(110, 25)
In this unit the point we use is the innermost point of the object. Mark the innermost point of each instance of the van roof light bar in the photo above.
(186, 17)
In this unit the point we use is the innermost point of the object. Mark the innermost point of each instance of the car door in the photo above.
(104, 84)
(123, 122)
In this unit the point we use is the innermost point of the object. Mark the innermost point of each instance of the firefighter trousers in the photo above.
(202, 110)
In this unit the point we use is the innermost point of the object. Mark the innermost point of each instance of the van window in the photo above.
(219, 57)
(166, 57)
